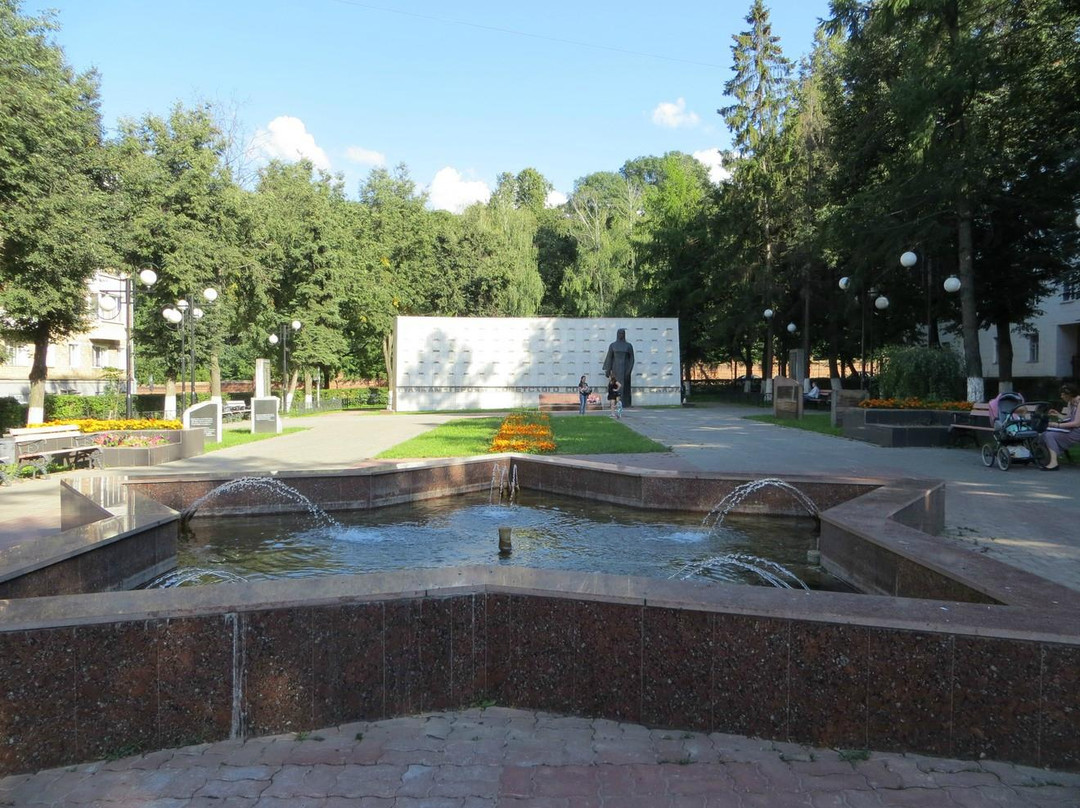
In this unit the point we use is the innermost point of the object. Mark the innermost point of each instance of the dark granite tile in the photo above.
(996, 699)
(607, 672)
(436, 653)
(403, 673)
(1060, 742)
(195, 680)
(914, 580)
(116, 685)
(544, 638)
(37, 711)
(676, 668)
(910, 698)
(828, 685)
(279, 679)
(349, 666)
(750, 670)
(498, 617)
(467, 653)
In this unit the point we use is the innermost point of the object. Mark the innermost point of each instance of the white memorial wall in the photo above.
(459, 363)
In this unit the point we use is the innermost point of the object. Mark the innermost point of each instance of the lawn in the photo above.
(240, 435)
(593, 434)
(811, 422)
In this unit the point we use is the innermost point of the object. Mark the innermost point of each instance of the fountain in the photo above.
(507, 483)
(769, 571)
(741, 492)
(261, 484)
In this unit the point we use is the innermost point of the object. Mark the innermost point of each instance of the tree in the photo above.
(53, 199)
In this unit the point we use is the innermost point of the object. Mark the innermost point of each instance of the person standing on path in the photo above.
(619, 363)
(614, 391)
(583, 391)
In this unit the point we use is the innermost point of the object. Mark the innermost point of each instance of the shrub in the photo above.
(930, 374)
(12, 413)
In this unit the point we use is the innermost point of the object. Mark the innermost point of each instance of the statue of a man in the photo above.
(620, 361)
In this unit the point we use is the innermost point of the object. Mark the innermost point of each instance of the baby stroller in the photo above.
(1018, 428)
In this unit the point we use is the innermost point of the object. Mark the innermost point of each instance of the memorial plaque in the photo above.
(265, 415)
(205, 416)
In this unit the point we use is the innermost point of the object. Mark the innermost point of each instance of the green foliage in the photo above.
(931, 374)
(12, 413)
(63, 406)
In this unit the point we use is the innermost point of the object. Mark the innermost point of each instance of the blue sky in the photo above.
(457, 92)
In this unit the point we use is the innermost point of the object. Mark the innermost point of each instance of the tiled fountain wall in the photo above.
(93, 675)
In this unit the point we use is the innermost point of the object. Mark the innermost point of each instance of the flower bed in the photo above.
(914, 404)
(116, 424)
(525, 432)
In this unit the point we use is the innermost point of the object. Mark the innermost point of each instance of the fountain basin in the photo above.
(996, 676)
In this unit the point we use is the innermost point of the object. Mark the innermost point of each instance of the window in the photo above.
(1033, 347)
(73, 354)
(101, 355)
(24, 356)
(1070, 291)
(995, 359)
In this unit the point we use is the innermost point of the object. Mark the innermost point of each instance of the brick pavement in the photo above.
(502, 757)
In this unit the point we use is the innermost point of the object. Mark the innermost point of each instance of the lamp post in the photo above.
(908, 259)
(108, 302)
(176, 315)
(274, 339)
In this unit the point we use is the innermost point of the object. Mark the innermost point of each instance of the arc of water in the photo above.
(264, 484)
(741, 492)
(181, 577)
(759, 566)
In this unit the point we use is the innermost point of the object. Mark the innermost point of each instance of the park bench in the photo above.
(36, 447)
(974, 424)
(550, 402)
(822, 402)
(234, 410)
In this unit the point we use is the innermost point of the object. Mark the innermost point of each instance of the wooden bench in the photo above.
(550, 402)
(234, 410)
(36, 447)
(974, 424)
(822, 402)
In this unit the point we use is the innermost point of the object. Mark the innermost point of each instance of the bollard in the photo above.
(504, 541)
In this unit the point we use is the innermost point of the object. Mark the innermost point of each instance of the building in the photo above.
(1050, 349)
(79, 363)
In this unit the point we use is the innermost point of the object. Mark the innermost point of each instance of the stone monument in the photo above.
(265, 414)
(206, 416)
(620, 362)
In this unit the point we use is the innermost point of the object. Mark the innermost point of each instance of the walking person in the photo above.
(583, 391)
(614, 396)
(1066, 431)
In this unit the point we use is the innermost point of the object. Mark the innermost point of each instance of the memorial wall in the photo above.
(459, 363)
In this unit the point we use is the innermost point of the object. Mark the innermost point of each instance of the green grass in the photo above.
(596, 434)
(236, 437)
(812, 422)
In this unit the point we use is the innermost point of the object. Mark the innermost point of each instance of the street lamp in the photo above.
(766, 364)
(176, 315)
(274, 339)
(908, 259)
(110, 300)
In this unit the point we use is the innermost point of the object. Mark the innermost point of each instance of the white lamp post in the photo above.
(274, 339)
(108, 302)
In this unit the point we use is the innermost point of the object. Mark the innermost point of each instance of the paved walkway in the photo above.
(502, 757)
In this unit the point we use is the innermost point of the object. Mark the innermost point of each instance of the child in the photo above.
(614, 395)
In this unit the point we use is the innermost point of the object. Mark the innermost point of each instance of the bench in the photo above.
(234, 410)
(550, 402)
(974, 424)
(36, 447)
(822, 402)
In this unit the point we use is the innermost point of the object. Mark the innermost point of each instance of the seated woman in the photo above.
(1066, 432)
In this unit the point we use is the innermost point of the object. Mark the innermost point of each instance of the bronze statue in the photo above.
(620, 362)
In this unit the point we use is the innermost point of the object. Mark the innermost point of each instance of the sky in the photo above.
(457, 92)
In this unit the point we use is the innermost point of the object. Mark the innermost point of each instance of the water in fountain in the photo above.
(193, 576)
(507, 483)
(265, 485)
(732, 500)
(769, 571)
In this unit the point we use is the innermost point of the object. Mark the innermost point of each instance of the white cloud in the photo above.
(674, 115)
(286, 138)
(714, 161)
(555, 198)
(365, 157)
(450, 191)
